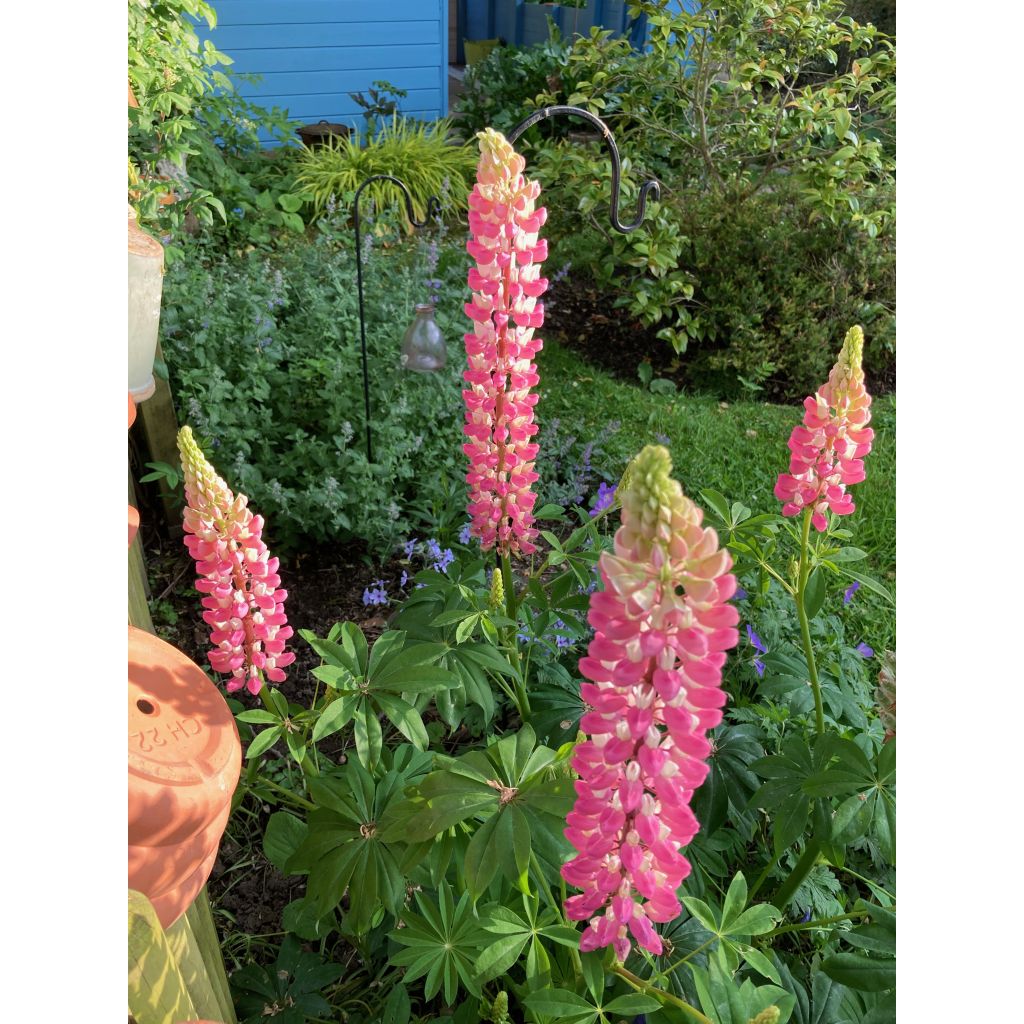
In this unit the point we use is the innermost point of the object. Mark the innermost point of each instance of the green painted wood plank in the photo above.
(156, 988)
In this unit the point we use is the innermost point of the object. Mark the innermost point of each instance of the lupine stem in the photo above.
(642, 986)
(821, 923)
(805, 626)
(512, 611)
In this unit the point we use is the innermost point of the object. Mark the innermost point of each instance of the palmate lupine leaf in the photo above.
(443, 943)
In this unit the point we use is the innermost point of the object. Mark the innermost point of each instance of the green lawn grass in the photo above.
(737, 448)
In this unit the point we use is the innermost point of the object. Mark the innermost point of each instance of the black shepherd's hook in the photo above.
(433, 209)
(646, 189)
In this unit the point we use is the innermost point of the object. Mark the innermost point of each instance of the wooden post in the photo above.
(159, 427)
(138, 581)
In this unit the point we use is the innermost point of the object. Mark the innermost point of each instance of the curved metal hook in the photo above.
(646, 189)
(433, 210)
(433, 202)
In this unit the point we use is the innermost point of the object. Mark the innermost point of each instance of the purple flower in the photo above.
(741, 594)
(806, 917)
(409, 547)
(864, 651)
(375, 594)
(405, 579)
(605, 496)
(464, 534)
(663, 439)
(755, 641)
(850, 591)
(759, 667)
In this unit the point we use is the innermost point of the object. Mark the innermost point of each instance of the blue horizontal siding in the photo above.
(235, 38)
(310, 54)
(303, 12)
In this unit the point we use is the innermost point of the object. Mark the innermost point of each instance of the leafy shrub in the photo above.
(264, 360)
(420, 154)
(771, 132)
(256, 185)
(511, 82)
(168, 73)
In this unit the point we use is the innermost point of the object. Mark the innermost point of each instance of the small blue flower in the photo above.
(605, 497)
(465, 534)
(741, 594)
(409, 547)
(405, 579)
(755, 641)
(759, 667)
(239, 211)
(806, 917)
(433, 548)
(864, 651)
(850, 591)
(444, 560)
(663, 439)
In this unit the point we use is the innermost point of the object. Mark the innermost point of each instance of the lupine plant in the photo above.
(552, 716)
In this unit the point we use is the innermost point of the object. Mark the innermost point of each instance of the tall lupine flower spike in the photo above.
(828, 450)
(662, 627)
(244, 603)
(506, 284)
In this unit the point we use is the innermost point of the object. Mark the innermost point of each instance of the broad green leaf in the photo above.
(814, 593)
(257, 715)
(406, 719)
(561, 1004)
(632, 1004)
(861, 973)
(482, 860)
(735, 901)
(335, 716)
(285, 833)
(755, 920)
(264, 741)
(702, 912)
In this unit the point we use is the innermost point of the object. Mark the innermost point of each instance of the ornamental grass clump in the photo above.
(244, 601)
(662, 629)
(829, 448)
(506, 283)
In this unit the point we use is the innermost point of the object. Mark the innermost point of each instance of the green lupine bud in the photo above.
(769, 1015)
(499, 1011)
(497, 599)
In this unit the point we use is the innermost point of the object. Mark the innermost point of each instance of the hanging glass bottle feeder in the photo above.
(423, 347)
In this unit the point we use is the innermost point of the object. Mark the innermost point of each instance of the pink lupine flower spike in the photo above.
(828, 450)
(662, 627)
(244, 601)
(506, 284)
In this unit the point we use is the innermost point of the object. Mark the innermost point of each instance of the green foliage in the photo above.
(770, 127)
(345, 851)
(288, 990)
(367, 685)
(421, 154)
(265, 367)
(168, 72)
(256, 184)
(382, 102)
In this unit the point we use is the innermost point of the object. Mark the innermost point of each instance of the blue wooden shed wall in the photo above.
(522, 24)
(311, 54)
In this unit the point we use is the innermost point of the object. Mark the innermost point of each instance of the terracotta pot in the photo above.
(184, 760)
